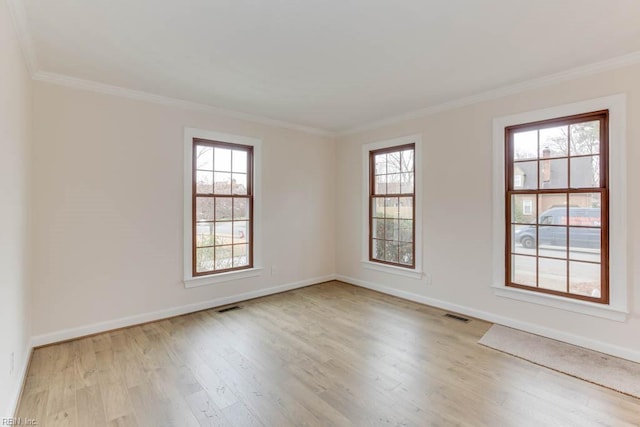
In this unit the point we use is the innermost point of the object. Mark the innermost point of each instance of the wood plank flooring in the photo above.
(330, 354)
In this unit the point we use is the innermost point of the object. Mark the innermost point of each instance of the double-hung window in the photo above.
(392, 202)
(557, 216)
(222, 207)
(222, 227)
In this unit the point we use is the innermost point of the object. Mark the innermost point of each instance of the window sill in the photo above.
(577, 306)
(390, 269)
(194, 282)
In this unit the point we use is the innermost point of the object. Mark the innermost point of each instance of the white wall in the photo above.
(108, 209)
(15, 259)
(458, 213)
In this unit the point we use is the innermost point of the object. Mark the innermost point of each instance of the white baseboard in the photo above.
(137, 319)
(14, 399)
(580, 341)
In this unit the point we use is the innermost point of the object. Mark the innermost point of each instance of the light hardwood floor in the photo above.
(330, 354)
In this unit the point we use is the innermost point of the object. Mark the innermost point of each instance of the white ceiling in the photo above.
(331, 64)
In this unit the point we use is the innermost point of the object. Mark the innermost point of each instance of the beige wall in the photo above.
(458, 210)
(15, 261)
(108, 208)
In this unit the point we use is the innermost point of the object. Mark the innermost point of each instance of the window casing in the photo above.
(392, 202)
(563, 248)
(222, 207)
(195, 221)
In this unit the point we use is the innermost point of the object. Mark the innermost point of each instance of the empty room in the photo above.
(337, 213)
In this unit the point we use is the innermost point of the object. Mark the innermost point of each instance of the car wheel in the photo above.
(527, 242)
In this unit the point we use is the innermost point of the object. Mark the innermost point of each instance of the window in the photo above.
(616, 212)
(563, 248)
(392, 206)
(517, 181)
(221, 207)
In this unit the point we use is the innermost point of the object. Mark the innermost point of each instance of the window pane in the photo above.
(554, 142)
(204, 208)
(381, 184)
(554, 173)
(523, 270)
(392, 229)
(393, 162)
(240, 232)
(222, 159)
(224, 207)
(406, 207)
(240, 255)
(552, 241)
(553, 209)
(391, 207)
(393, 183)
(240, 208)
(407, 161)
(552, 274)
(204, 182)
(525, 176)
(391, 251)
(523, 239)
(377, 210)
(239, 183)
(381, 164)
(205, 234)
(588, 217)
(224, 232)
(584, 279)
(224, 255)
(378, 249)
(584, 243)
(406, 230)
(222, 183)
(406, 183)
(523, 208)
(525, 145)
(239, 161)
(585, 172)
(406, 254)
(585, 138)
(204, 157)
(588, 201)
(377, 228)
(204, 260)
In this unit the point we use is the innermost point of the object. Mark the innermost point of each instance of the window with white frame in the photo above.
(549, 180)
(221, 205)
(391, 206)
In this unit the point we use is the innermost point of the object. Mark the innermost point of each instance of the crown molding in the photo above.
(92, 86)
(572, 74)
(19, 18)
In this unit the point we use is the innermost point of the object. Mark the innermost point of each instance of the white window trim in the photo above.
(414, 273)
(618, 307)
(527, 207)
(189, 280)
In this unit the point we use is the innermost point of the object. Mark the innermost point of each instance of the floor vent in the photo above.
(233, 307)
(460, 318)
